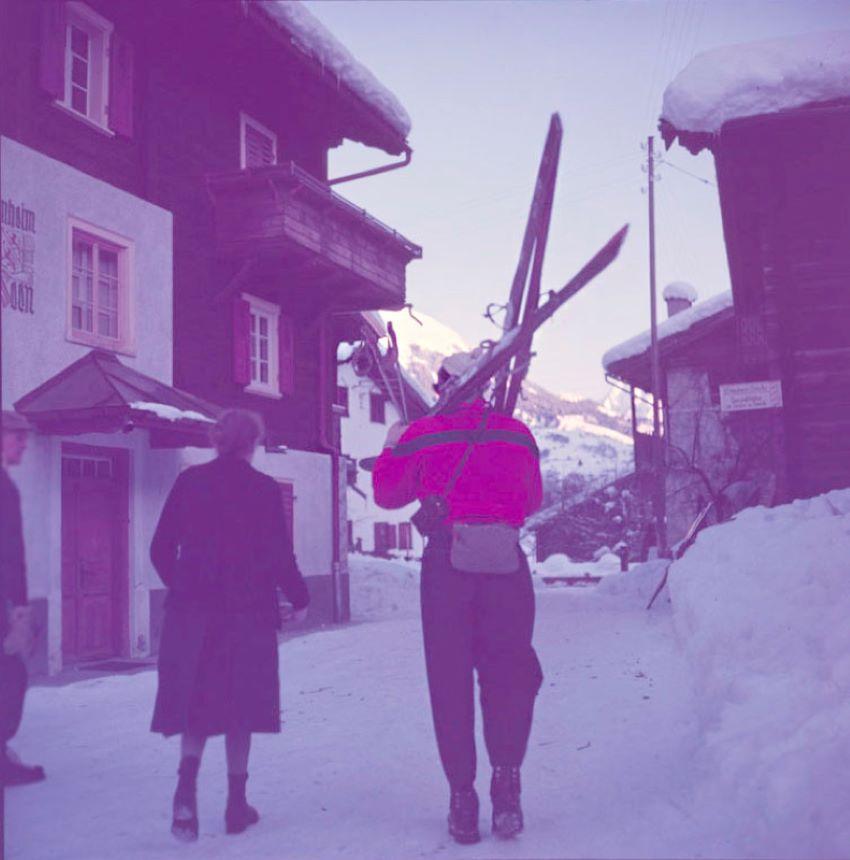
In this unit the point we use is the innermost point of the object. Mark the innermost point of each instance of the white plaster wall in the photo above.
(362, 437)
(39, 479)
(35, 345)
(310, 475)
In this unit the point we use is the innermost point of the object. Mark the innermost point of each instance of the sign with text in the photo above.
(742, 396)
(17, 257)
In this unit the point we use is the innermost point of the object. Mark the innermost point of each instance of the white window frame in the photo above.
(125, 343)
(269, 310)
(244, 121)
(99, 30)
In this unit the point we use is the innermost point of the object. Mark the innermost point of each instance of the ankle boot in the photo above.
(504, 792)
(239, 814)
(184, 824)
(463, 816)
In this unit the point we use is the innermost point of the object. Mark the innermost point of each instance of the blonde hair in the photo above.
(237, 431)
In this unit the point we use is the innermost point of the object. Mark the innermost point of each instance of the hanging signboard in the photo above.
(743, 396)
(17, 257)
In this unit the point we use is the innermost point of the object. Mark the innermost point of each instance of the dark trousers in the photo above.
(483, 622)
(13, 688)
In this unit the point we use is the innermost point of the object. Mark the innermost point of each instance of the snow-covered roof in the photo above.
(169, 413)
(311, 36)
(680, 290)
(677, 324)
(758, 78)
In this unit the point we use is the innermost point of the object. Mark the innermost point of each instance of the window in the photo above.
(342, 399)
(263, 346)
(258, 145)
(100, 293)
(377, 411)
(385, 537)
(405, 536)
(87, 37)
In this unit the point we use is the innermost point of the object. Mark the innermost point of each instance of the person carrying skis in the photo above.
(478, 476)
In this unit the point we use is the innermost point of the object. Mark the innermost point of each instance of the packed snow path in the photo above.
(355, 772)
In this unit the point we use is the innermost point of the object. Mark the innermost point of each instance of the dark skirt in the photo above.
(218, 673)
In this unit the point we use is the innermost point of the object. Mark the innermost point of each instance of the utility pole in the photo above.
(659, 472)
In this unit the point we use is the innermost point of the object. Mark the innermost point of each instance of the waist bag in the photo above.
(475, 547)
(485, 548)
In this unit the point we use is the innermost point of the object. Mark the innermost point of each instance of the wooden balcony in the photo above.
(284, 217)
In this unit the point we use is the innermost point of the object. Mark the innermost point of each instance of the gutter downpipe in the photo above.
(331, 448)
(408, 156)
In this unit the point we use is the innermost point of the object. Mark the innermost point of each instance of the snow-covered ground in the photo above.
(716, 725)
(762, 608)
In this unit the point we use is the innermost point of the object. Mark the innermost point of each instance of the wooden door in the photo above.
(91, 588)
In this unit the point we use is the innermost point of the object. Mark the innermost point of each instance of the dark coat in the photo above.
(222, 549)
(13, 569)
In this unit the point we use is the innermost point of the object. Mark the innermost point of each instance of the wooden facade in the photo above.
(785, 196)
(196, 67)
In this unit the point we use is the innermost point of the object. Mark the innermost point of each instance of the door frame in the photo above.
(120, 458)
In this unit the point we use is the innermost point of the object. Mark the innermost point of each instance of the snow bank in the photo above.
(680, 290)
(170, 413)
(674, 325)
(761, 605)
(756, 78)
(632, 589)
(383, 588)
(316, 40)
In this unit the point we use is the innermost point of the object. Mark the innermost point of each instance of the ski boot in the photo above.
(184, 823)
(239, 814)
(463, 817)
(504, 792)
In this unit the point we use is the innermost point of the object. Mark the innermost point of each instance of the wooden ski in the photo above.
(518, 340)
(536, 228)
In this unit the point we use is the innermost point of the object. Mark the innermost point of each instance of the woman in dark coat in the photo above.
(222, 549)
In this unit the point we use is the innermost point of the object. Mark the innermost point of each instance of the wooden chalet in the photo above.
(784, 185)
(185, 145)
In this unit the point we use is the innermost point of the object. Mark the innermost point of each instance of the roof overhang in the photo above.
(100, 394)
(361, 119)
(636, 369)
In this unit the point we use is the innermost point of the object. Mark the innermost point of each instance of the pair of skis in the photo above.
(507, 360)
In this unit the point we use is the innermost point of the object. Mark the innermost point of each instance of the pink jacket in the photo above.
(499, 483)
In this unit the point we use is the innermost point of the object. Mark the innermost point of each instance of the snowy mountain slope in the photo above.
(574, 434)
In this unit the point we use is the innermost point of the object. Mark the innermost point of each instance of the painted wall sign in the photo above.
(742, 396)
(17, 257)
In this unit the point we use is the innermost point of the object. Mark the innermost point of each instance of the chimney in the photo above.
(680, 296)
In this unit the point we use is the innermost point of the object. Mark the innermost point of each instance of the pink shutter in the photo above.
(241, 341)
(286, 355)
(121, 86)
(52, 60)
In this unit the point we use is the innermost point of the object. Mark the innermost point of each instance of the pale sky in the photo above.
(480, 80)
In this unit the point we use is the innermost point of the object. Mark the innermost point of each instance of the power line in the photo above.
(688, 173)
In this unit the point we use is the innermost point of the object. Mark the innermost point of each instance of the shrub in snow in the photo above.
(762, 607)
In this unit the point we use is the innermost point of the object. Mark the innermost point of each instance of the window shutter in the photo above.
(286, 355)
(52, 60)
(121, 86)
(241, 341)
(259, 148)
(392, 542)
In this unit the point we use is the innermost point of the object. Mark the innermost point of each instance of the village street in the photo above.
(355, 773)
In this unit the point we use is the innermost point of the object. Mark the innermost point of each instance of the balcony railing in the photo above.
(282, 212)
